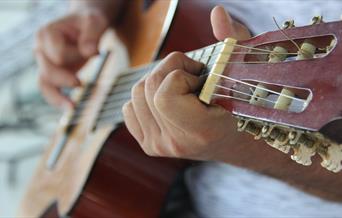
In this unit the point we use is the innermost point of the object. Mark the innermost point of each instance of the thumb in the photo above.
(224, 26)
(222, 23)
(92, 26)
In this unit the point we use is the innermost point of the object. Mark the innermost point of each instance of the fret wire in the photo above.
(109, 117)
(120, 89)
(133, 73)
(116, 96)
(116, 90)
(115, 120)
(131, 77)
(108, 114)
(109, 104)
(202, 53)
(193, 53)
(140, 72)
(115, 104)
(206, 70)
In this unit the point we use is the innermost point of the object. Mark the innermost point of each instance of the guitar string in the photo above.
(112, 95)
(257, 49)
(232, 62)
(245, 93)
(113, 103)
(116, 115)
(106, 113)
(258, 87)
(133, 72)
(265, 52)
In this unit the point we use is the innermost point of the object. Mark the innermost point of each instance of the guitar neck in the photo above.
(120, 92)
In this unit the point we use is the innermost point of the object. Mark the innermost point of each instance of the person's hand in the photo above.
(167, 119)
(62, 47)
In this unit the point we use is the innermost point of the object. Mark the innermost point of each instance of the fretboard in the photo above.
(120, 92)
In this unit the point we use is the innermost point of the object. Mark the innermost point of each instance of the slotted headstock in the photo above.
(285, 87)
(309, 84)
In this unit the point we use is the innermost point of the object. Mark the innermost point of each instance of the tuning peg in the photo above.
(307, 51)
(317, 20)
(276, 138)
(331, 45)
(294, 136)
(302, 154)
(332, 158)
(278, 54)
(288, 24)
(259, 94)
(249, 127)
(282, 146)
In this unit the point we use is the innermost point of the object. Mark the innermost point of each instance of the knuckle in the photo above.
(153, 81)
(161, 97)
(175, 56)
(148, 150)
(126, 107)
(203, 138)
(156, 149)
(58, 58)
(138, 89)
(175, 76)
(161, 103)
(177, 149)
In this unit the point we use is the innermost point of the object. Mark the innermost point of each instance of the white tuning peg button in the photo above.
(332, 159)
(303, 154)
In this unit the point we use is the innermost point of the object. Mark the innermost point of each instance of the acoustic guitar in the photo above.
(279, 85)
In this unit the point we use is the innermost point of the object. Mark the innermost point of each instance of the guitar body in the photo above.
(104, 172)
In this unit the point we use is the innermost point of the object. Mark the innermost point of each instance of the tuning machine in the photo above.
(246, 125)
(288, 24)
(276, 138)
(303, 147)
(332, 157)
(317, 20)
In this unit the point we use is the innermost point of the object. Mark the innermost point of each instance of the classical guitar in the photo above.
(283, 86)
(93, 167)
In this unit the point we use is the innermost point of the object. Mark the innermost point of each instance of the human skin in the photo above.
(64, 45)
(167, 119)
(164, 115)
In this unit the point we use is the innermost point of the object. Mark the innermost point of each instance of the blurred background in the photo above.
(26, 121)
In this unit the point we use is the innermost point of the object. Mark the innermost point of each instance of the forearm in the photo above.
(110, 8)
(244, 151)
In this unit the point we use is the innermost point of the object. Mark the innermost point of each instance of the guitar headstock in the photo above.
(285, 86)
